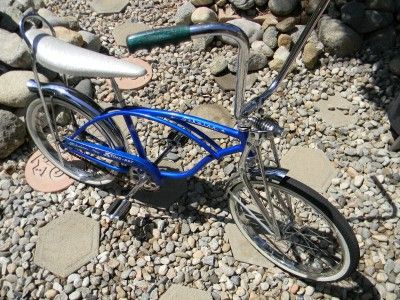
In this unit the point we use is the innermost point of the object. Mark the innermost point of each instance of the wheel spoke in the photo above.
(308, 243)
(66, 119)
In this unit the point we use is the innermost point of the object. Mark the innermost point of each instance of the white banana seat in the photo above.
(65, 58)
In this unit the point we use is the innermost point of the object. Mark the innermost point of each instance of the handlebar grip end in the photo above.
(158, 37)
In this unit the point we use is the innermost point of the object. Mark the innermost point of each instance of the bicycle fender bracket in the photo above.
(275, 174)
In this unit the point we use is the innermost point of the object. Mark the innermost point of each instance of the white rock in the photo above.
(358, 180)
(163, 270)
(203, 15)
(13, 50)
(13, 91)
(251, 29)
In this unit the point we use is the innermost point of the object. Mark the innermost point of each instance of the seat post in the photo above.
(118, 93)
(128, 119)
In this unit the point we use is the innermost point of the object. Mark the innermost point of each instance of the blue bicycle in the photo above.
(286, 221)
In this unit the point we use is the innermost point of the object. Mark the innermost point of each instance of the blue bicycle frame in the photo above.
(179, 122)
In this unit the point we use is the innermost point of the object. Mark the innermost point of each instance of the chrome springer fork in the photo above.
(251, 164)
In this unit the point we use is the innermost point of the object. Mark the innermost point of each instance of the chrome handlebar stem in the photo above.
(240, 37)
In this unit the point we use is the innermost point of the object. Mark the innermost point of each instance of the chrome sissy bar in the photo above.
(31, 16)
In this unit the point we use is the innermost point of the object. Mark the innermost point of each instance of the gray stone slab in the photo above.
(242, 249)
(180, 292)
(310, 166)
(67, 243)
(227, 82)
(335, 111)
(215, 113)
(121, 31)
(109, 6)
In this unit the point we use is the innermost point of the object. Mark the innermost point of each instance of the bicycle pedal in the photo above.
(118, 209)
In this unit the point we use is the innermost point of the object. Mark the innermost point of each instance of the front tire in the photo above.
(322, 248)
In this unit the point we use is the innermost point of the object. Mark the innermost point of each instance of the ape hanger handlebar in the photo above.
(177, 34)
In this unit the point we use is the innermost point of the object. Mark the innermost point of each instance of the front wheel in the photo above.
(315, 243)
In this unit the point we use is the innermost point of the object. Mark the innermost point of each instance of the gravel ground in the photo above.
(188, 245)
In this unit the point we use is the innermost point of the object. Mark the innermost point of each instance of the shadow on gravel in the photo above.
(384, 90)
(213, 196)
(179, 202)
(359, 288)
(389, 199)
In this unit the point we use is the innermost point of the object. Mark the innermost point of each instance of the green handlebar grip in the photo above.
(158, 37)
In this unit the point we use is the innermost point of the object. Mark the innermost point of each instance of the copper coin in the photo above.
(43, 176)
(126, 83)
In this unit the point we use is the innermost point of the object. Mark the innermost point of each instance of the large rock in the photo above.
(204, 15)
(251, 29)
(285, 40)
(310, 5)
(383, 5)
(23, 5)
(393, 110)
(311, 55)
(394, 65)
(91, 40)
(270, 37)
(361, 20)
(283, 7)
(85, 87)
(13, 92)
(353, 14)
(202, 2)
(280, 58)
(261, 3)
(397, 6)
(257, 61)
(38, 4)
(9, 18)
(381, 40)
(69, 36)
(70, 22)
(5, 3)
(375, 20)
(13, 50)
(286, 25)
(338, 38)
(243, 4)
(184, 13)
(269, 19)
(12, 133)
(298, 31)
(260, 46)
